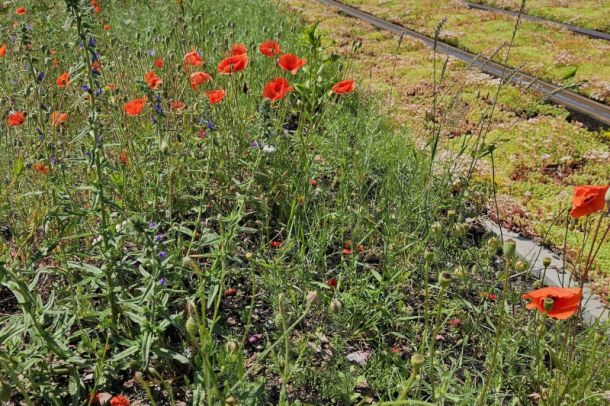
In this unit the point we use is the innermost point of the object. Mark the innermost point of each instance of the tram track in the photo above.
(578, 30)
(592, 109)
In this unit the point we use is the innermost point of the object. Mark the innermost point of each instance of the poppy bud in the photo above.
(231, 347)
(313, 297)
(164, 147)
(460, 272)
(444, 279)
(461, 229)
(188, 262)
(428, 256)
(231, 401)
(5, 391)
(417, 361)
(546, 262)
(451, 214)
(336, 306)
(494, 243)
(548, 304)
(509, 248)
(191, 327)
(521, 266)
(248, 256)
(436, 227)
(537, 284)
(278, 320)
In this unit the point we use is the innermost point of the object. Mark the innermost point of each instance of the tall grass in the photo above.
(245, 252)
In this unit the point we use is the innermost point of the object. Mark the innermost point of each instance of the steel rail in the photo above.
(556, 94)
(578, 30)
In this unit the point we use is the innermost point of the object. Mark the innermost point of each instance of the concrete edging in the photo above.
(593, 308)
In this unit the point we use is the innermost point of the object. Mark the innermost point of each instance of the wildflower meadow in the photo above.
(199, 204)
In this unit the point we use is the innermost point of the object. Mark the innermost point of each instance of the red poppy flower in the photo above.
(277, 89)
(21, 11)
(332, 283)
(216, 96)
(57, 118)
(233, 64)
(346, 251)
(486, 295)
(16, 119)
(41, 168)
(588, 200)
(230, 292)
(159, 63)
(135, 107)
(238, 49)
(276, 244)
(63, 80)
(193, 58)
(291, 63)
(313, 182)
(345, 86)
(563, 304)
(199, 78)
(3, 50)
(107, 27)
(152, 80)
(270, 48)
(119, 401)
(176, 105)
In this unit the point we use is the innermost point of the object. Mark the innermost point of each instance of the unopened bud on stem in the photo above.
(417, 360)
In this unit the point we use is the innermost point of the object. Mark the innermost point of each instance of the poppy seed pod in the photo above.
(546, 262)
(248, 256)
(548, 304)
(417, 361)
(509, 248)
(444, 279)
